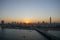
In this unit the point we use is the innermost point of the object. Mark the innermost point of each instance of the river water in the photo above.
(23, 34)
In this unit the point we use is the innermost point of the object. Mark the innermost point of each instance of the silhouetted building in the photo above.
(50, 20)
(2, 22)
(43, 21)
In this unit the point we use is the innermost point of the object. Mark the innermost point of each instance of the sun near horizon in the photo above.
(26, 21)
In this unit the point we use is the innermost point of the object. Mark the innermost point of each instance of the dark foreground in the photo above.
(29, 34)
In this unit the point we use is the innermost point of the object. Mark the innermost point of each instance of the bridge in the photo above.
(47, 35)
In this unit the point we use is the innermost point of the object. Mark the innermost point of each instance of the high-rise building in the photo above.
(50, 20)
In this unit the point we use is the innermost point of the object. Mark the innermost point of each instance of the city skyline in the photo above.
(30, 10)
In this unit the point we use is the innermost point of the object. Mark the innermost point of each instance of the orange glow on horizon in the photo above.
(32, 20)
(26, 21)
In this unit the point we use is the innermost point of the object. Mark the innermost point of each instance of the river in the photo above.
(23, 34)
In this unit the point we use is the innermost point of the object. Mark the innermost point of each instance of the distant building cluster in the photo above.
(22, 25)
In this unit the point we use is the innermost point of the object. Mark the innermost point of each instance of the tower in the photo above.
(50, 20)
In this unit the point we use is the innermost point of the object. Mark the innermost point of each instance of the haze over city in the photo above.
(29, 19)
(29, 10)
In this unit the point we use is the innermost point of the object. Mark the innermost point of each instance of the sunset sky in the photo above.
(30, 10)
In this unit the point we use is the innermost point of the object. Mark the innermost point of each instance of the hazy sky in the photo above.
(30, 9)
